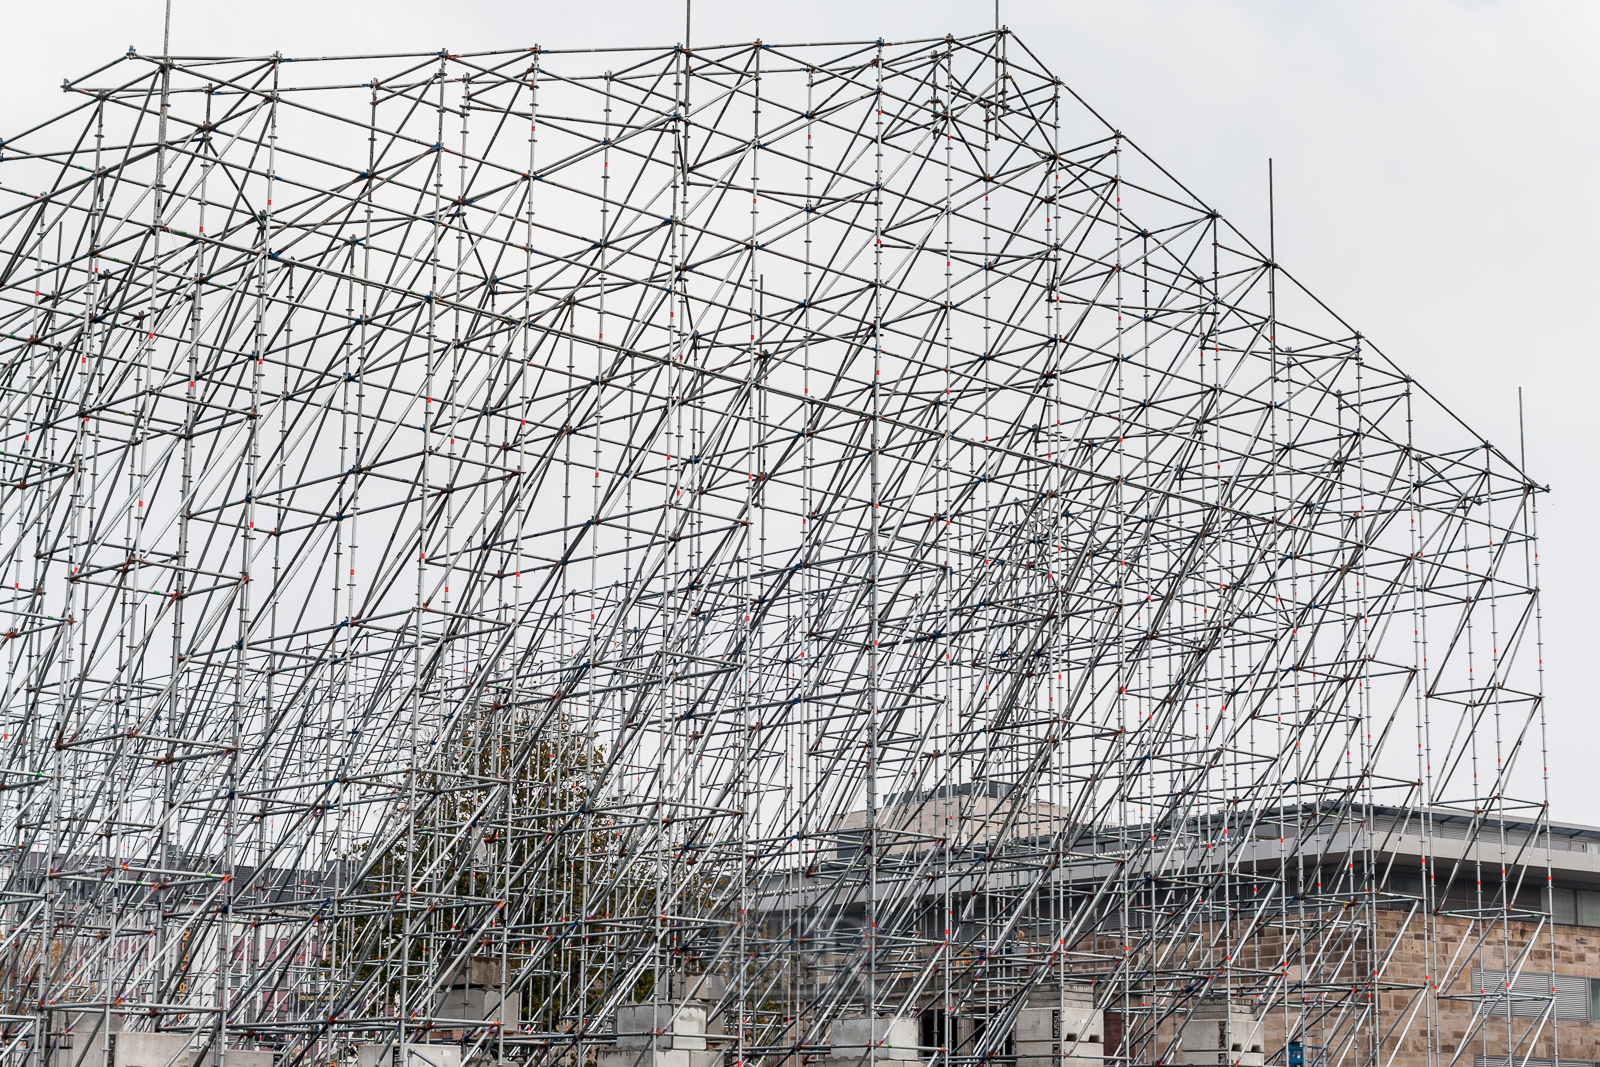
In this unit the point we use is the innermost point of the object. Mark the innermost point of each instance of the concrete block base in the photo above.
(660, 1057)
(411, 1055)
(892, 1042)
(1092, 1050)
(1054, 1024)
(878, 1060)
(152, 1050)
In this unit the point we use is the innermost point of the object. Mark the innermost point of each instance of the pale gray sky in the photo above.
(1436, 178)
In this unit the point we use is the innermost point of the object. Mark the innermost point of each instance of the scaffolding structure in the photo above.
(498, 539)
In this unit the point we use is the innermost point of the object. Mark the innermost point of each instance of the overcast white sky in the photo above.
(1436, 168)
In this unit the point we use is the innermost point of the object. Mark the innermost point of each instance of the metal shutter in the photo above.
(1529, 994)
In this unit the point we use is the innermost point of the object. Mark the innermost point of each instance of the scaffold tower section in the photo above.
(758, 555)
